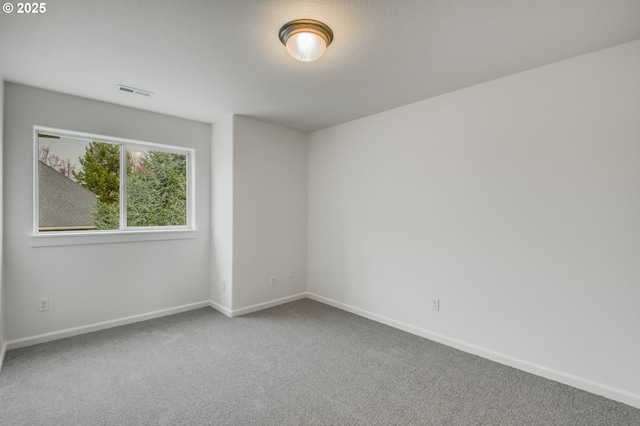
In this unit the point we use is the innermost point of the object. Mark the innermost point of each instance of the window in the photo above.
(89, 184)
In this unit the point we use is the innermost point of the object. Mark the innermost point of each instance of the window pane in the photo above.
(79, 184)
(156, 188)
(100, 174)
(64, 203)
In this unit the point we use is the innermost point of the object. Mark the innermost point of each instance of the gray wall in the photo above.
(269, 212)
(2, 309)
(88, 284)
(515, 202)
(222, 214)
(259, 214)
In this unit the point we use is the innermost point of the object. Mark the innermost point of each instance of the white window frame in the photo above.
(124, 233)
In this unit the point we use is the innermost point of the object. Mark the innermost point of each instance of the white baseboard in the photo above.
(55, 335)
(47, 337)
(218, 307)
(521, 364)
(265, 305)
(3, 351)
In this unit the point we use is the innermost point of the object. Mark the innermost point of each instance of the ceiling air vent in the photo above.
(134, 91)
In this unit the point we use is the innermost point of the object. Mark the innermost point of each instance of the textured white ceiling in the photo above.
(204, 58)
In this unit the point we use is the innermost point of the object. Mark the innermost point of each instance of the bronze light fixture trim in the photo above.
(306, 39)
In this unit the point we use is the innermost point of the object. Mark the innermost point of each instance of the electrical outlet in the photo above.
(273, 280)
(43, 304)
(435, 304)
(291, 272)
(224, 285)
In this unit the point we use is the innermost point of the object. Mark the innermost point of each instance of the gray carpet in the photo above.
(303, 363)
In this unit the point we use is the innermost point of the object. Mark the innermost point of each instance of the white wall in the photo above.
(88, 284)
(269, 212)
(516, 202)
(2, 309)
(222, 214)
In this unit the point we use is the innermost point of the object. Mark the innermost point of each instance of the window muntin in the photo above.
(90, 183)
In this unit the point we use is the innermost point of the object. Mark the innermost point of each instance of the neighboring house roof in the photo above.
(63, 203)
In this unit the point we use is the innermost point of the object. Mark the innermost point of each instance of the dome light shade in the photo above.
(306, 47)
(306, 39)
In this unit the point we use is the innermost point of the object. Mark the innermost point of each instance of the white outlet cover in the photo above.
(43, 304)
(435, 304)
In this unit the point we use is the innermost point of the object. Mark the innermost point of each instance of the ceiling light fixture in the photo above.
(306, 39)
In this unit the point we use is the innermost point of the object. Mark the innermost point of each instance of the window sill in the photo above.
(108, 237)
